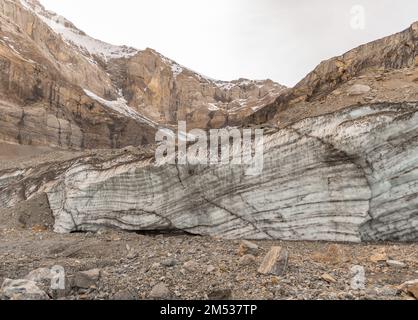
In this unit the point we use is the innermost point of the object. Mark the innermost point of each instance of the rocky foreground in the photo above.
(130, 266)
(112, 264)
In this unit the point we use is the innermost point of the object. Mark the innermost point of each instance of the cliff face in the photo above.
(61, 88)
(166, 92)
(42, 101)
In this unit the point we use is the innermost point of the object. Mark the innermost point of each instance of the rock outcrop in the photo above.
(21, 290)
(167, 92)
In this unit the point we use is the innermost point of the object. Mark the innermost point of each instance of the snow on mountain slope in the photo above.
(155, 87)
(76, 37)
(88, 44)
(120, 105)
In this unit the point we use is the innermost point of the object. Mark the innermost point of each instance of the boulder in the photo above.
(410, 287)
(86, 279)
(220, 294)
(247, 247)
(160, 291)
(358, 89)
(275, 262)
(22, 289)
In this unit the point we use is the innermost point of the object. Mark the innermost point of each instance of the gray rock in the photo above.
(220, 294)
(358, 89)
(40, 275)
(22, 290)
(132, 255)
(160, 291)
(169, 262)
(275, 262)
(247, 247)
(247, 260)
(191, 266)
(396, 264)
(124, 295)
(45, 280)
(210, 269)
(387, 291)
(86, 279)
(103, 231)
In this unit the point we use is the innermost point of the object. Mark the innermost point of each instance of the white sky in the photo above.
(227, 39)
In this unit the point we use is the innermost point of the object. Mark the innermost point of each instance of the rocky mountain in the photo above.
(380, 71)
(61, 88)
(340, 148)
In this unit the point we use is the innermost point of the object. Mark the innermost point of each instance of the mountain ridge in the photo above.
(378, 59)
(47, 71)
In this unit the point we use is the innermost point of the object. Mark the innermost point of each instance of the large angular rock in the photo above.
(410, 287)
(86, 279)
(160, 291)
(275, 262)
(40, 275)
(21, 290)
(48, 280)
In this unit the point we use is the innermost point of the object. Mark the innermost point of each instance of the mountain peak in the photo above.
(75, 37)
(87, 93)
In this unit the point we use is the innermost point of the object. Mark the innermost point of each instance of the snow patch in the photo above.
(213, 107)
(88, 44)
(178, 69)
(175, 67)
(225, 85)
(120, 105)
(77, 38)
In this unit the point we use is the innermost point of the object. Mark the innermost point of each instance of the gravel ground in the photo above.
(179, 266)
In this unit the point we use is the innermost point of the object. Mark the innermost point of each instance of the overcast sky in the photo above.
(227, 39)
